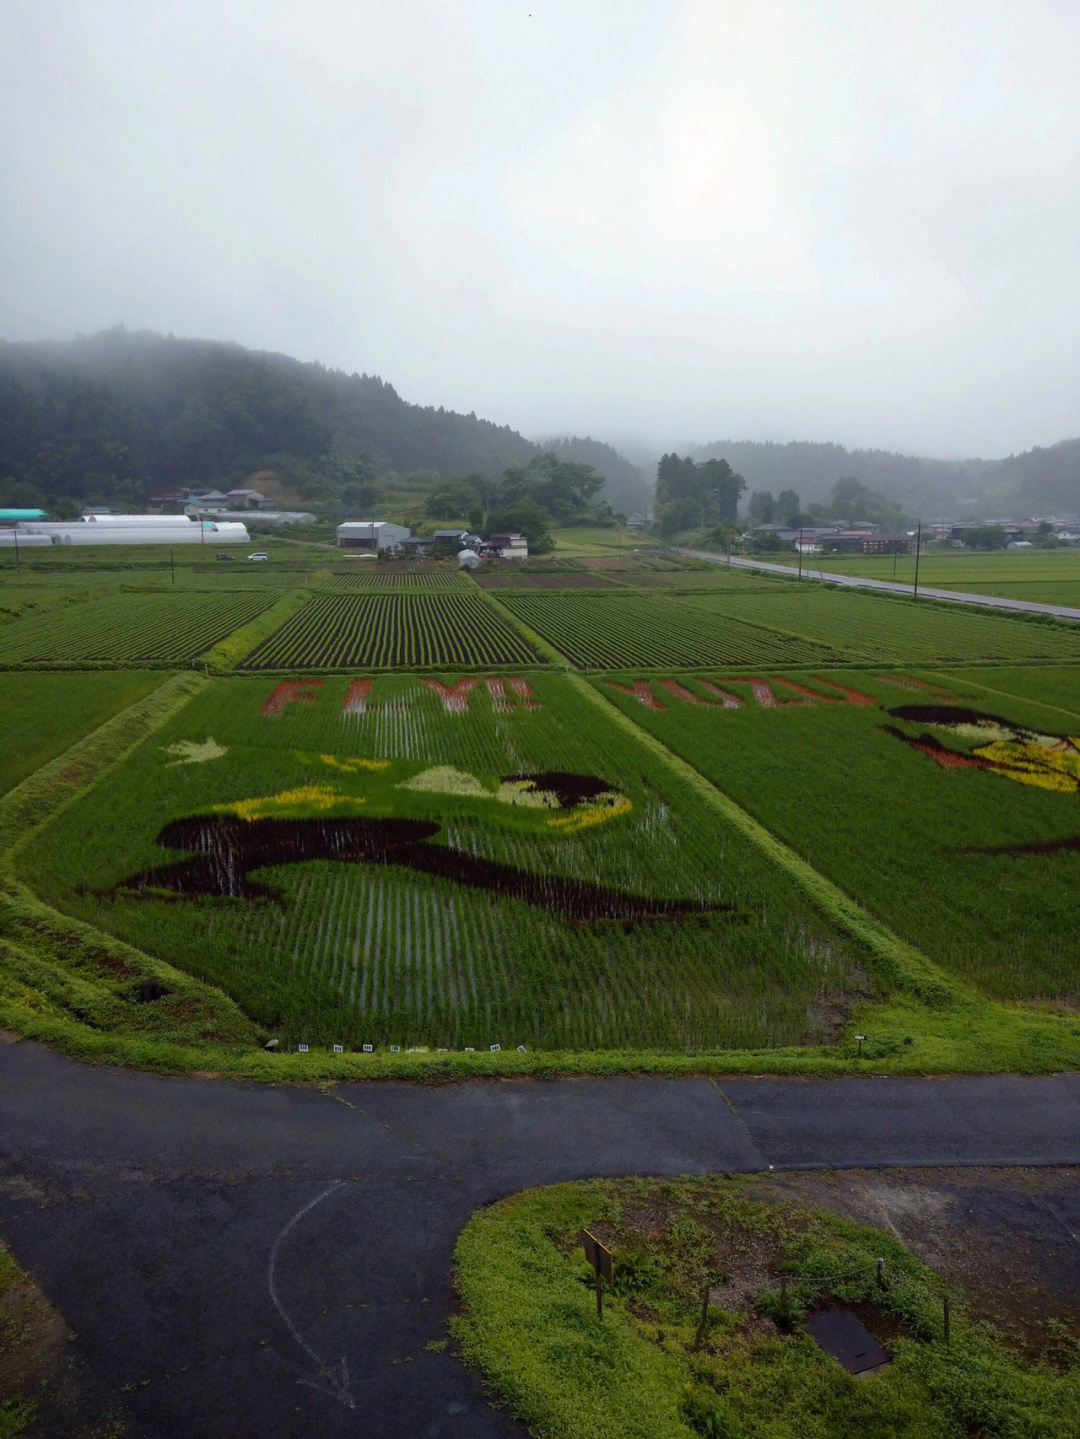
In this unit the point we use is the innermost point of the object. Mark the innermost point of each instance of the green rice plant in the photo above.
(973, 869)
(42, 714)
(613, 630)
(887, 629)
(1045, 576)
(136, 627)
(392, 630)
(344, 953)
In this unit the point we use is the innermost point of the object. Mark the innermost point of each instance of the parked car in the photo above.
(259, 555)
(221, 555)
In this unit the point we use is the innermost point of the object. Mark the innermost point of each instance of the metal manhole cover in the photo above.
(847, 1339)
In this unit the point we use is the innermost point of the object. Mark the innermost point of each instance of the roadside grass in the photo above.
(46, 1387)
(18, 1399)
(529, 1324)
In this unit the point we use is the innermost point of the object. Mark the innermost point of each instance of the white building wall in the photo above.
(139, 530)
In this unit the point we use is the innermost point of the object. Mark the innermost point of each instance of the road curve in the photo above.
(862, 582)
(238, 1259)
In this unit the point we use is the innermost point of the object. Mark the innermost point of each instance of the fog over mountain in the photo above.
(822, 219)
(118, 417)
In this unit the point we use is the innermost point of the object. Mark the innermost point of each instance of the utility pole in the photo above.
(15, 532)
(800, 552)
(918, 547)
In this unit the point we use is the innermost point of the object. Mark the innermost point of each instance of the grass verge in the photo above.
(228, 653)
(653, 1369)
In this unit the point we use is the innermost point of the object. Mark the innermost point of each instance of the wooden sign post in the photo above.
(603, 1266)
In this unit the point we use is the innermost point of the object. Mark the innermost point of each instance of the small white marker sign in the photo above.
(367, 1048)
(339, 1049)
(495, 1048)
(302, 1048)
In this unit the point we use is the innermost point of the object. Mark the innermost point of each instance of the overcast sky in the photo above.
(745, 219)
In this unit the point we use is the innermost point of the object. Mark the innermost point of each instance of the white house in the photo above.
(509, 546)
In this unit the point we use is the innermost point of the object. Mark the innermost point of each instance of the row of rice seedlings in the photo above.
(379, 577)
(598, 631)
(131, 627)
(377, 630)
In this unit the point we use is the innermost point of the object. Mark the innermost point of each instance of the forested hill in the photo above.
(1038, 481)
(626, 488)
(119, 417)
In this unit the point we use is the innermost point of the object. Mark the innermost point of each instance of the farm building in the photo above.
(370, 535)
(509, 546)
(126, 530)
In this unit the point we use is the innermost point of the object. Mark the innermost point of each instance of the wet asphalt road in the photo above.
(244, 1260)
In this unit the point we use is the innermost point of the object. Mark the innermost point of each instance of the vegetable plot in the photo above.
(386, 630)
(152, 627)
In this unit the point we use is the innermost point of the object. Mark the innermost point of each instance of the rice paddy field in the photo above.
(41, 715)
(389, 630)
(892, 629)
(1046, 576)
(949, 809)
(483, 861)
(765, 815)
(607, 630)
(137, 627)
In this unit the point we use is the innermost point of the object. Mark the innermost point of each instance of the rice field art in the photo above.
(996, 746)
(949, 810)
(253, 834)
(448, 860)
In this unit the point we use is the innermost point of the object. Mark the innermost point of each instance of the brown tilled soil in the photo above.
(551, 580)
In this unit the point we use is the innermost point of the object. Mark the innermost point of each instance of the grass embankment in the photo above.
(646, 1372)
(230, 651)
